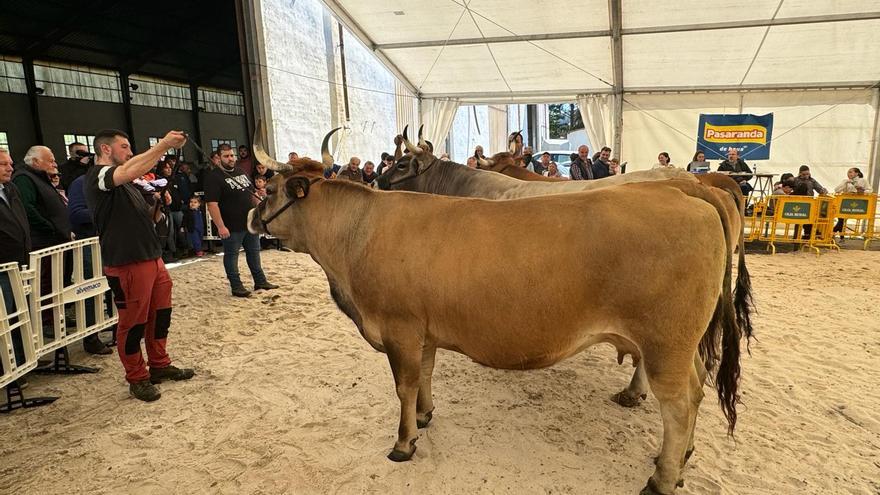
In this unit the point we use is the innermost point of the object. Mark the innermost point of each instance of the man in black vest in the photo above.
(15, 241)
(46, 209)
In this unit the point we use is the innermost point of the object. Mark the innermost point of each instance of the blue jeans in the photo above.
(231, 245)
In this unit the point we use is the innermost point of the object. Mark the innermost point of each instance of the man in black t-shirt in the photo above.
(229, 198)
(132, 257)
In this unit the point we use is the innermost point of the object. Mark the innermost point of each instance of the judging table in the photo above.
(762, 185)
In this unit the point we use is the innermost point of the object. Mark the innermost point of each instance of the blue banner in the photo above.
(750, 134)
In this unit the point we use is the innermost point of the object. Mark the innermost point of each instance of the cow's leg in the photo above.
(701, 380)
(425, 404)
(676, 387)
(405, 358)
(637, 390)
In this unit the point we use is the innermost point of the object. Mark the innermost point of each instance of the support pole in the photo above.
(126, 109)
(197, 126)
(615, 13)
(874, 172)
(31, 84)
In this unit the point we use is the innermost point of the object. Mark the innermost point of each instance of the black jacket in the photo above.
(15, 233)
(49, 207)
(740, 167)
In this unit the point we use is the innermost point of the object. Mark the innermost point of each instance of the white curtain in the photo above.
(597, 112)
(497, 129)
(437, 116)
(407, 106)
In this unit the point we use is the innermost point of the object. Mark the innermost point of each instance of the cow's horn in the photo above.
(262, 156)
(511, 141)
(484, 162)
(409, 146)
(422, 142)
(326, 157)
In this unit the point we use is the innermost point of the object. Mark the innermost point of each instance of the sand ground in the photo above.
(290, 399)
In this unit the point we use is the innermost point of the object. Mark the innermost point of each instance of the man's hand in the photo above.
(167, 198)
(398, 140)
(174, 139)
(224, 232)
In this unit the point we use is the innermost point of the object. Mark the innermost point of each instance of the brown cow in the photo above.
(422, 172)
(424, 298)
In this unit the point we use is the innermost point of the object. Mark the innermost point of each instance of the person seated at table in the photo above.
(736, 165)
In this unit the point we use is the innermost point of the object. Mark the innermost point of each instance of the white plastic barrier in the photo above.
(87, 284)
(17, 320)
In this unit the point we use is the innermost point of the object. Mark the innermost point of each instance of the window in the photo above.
(12, 76)
(152, 92)
(80, 138)
(74, 81)
(155, 140)
(215, 143)
(4, 142)
(220, 101)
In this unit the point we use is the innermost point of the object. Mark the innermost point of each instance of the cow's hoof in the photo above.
(400, 455)
(626, 400)
(687, 455)
(423, 423)
(651, 489)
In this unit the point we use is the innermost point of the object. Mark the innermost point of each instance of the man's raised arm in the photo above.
(139, 165)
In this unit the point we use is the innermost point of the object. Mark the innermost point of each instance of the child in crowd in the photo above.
(194, 221)
(260, 186)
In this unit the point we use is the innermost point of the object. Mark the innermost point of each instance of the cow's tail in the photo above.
(742, 299)
(727, 377)
(725, 327)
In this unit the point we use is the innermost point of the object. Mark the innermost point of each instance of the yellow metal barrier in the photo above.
(822, 234)
(790, 213)
(861, 210)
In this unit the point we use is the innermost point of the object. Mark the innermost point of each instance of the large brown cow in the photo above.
(420, 171)
(423, 298)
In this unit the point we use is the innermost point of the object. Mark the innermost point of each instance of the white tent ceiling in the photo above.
(545, 50)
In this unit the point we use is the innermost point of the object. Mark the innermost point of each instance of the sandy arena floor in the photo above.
(289, 399)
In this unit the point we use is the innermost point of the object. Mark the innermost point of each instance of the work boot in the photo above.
(240, 291)
(93, 345)
(265, 286)
(158, 375)
(144, 390)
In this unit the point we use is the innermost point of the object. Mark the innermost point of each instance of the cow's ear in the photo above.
(424, 160)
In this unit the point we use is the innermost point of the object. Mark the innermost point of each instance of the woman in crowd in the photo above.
(698, 162)
(553, 171)
(664, 161)
(855, 183)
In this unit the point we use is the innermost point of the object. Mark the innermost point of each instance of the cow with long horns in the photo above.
(423, 298)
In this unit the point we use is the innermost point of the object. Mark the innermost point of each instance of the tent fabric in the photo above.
(558, 49)
(828, 130)
(676, 60)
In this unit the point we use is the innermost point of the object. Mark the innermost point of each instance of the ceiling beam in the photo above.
(553, 96)
(495, 39)
(711, 26)
(343, 17)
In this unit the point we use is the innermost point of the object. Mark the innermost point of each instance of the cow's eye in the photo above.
(270, 189)
(401, 166)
